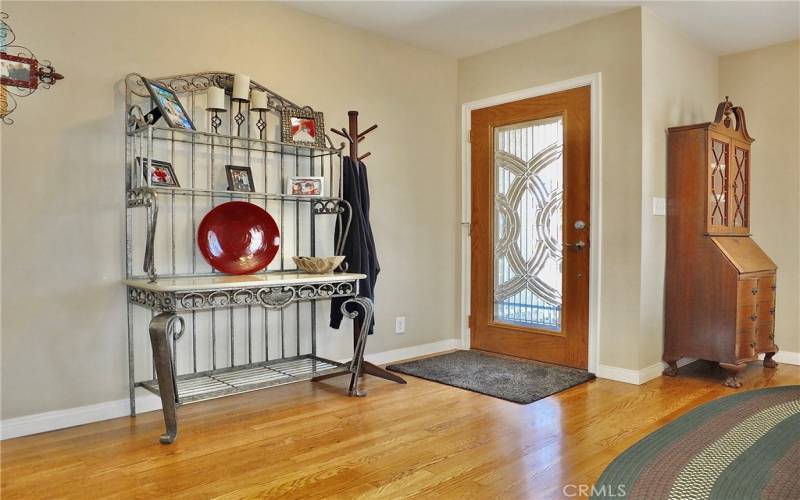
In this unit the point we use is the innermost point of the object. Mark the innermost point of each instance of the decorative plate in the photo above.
(238, 238)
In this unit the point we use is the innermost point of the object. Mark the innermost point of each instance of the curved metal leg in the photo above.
(161, 326)
(356, 365)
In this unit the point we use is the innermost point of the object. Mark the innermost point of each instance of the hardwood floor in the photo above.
(310, 441)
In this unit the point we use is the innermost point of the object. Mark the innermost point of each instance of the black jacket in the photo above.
(359, 246)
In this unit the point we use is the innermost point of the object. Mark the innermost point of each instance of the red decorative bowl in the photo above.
(238, 238)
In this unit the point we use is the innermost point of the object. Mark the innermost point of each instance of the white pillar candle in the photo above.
(258, 100)
(215, 99)
(241, 87)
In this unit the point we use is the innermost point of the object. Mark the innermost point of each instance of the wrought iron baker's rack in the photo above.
(212, 335)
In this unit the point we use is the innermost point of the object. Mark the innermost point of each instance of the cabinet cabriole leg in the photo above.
(733, 371)
(768, 361)
(161, 326)
(672, 369)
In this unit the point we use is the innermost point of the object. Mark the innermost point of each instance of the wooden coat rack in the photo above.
(354, 138)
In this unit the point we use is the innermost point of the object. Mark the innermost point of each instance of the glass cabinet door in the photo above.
(740, 188)
(718, 185)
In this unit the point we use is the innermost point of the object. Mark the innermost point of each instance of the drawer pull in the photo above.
(772, 312)
(772, 337)
(753, 317)
(754, 290)
(774, 287)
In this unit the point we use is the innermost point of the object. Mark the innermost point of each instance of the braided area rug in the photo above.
(744, 446)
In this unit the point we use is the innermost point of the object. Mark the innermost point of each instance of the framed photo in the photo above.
(306, 186)
(169, 105)
(16, 71)
(240, 178)
(162, 174)
(302, 126)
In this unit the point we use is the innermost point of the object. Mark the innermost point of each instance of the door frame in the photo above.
(592, 80)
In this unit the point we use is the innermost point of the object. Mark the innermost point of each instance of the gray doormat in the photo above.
(520, 381)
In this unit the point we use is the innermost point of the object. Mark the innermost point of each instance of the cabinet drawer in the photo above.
(746, 317)
(766, 311)
(745, 344)
(765, 337)
(766, 289)
(767, 282)
(746, 291)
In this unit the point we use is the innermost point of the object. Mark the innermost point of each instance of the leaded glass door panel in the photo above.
(530, 228)
(528, 202)
(740, 188)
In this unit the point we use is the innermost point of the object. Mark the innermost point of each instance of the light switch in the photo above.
(659, 206)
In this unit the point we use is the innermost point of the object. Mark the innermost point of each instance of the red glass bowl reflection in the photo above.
(238, 238)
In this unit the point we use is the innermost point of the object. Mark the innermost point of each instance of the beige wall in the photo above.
(766, 83)
(63, 327)
(62, 209)
(612, 46)
(679, 87)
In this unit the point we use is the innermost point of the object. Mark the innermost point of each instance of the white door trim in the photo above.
(594, 81)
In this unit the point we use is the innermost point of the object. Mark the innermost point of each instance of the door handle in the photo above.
(578, 245)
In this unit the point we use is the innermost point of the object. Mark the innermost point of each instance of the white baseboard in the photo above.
(636, 377)
(790, 358)
(639, 377)
(60, 419)
(386, 357)
(145, 401)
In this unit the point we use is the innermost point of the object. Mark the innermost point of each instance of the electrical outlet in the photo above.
(659, 206)
(400, 325)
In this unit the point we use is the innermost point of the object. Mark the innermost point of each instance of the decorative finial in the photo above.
(727, 112)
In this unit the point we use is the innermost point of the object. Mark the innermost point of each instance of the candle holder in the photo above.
(216, 121)
(240, 93)
(216, 105)
(260, 104)
(239, 116)
(261, 125)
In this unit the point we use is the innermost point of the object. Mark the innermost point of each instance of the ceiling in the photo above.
(462, 29)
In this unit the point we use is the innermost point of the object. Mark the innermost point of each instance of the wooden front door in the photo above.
(530, 228)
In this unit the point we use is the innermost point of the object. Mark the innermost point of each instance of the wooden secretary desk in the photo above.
(720, 285)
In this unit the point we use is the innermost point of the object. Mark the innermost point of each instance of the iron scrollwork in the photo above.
(157, 301)
(26, 73)
(275, 297)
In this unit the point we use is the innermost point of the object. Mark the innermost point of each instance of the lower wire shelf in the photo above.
(245, 378)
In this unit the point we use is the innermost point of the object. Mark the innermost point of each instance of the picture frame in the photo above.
(302, 126)
(163, 174)
(168, 106)
(240, 179)
(18, 71)
(306, 186)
